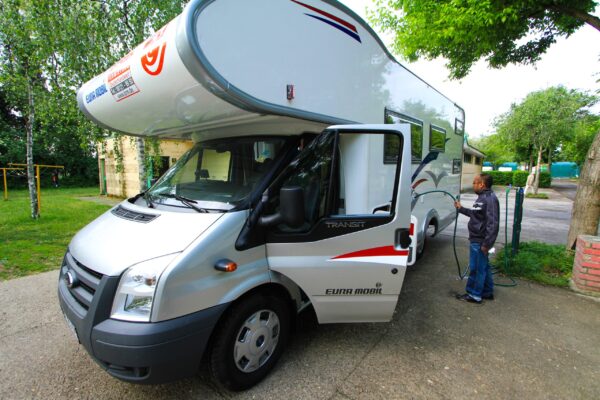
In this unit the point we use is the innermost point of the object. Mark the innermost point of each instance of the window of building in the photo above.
(392, 143)
(467, 158)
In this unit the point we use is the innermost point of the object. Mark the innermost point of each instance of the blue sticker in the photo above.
(95, 94)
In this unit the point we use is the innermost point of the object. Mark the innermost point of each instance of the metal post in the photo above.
(5, 186)
(517, 218)
(39, 196)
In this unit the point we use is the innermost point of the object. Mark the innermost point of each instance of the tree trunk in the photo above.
(586, 207)
(538, 171)
(589, 19)
(550, 161)
(33, 199)
(141, 156)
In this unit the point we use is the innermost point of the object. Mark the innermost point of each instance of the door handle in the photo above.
(402, 238)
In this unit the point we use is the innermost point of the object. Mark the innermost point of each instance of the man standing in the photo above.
(484, 221)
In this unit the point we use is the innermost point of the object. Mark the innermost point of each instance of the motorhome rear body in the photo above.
(310, 141)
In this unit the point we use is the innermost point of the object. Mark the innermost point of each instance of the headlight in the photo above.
(135, 294)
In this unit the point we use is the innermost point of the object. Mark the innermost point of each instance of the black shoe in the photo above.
(466, 297)
(490, 297)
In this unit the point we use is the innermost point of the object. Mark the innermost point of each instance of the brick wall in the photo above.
(586, 269)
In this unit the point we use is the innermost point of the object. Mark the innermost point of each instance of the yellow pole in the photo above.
(5, 187)
(39, 195)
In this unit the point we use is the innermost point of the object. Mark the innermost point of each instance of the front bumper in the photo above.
(137, 352)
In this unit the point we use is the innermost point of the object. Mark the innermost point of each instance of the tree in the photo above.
(48, 49)
(496, 149)
(21, 59)
(586, 207)
(576, 149)
(502, 32)
(544, 119)
(134, 21)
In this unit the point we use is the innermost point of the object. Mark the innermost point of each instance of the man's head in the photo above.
(482, 182)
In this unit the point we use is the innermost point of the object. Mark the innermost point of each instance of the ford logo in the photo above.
(71, 279)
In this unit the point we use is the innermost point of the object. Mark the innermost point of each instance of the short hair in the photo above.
(487, 180)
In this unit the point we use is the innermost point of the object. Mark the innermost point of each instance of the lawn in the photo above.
(28, 246)
(548, 264)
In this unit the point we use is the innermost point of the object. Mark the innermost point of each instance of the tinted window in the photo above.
(392, 143)
(437, 139)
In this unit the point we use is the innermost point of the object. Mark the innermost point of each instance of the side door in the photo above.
(350, 255)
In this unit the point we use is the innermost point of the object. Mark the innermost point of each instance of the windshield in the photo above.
(217, 174)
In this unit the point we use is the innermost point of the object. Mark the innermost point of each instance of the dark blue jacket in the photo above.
(484, 219)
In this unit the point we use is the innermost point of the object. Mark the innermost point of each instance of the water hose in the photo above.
(462, 274)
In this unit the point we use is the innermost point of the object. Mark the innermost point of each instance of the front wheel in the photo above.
(249, 341)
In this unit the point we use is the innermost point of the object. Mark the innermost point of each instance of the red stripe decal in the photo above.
(417, 183)
(374, 252)
(333, 17)
(412, 229)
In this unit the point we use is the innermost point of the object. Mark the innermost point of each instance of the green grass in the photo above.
(537, 196)
(548, 264)
(30, 246)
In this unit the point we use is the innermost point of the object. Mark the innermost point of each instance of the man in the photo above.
(484, 221)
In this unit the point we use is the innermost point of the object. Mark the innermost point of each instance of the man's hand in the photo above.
(457, 204)
(484, 250)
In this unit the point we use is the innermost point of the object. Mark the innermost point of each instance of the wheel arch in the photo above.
(432, 217)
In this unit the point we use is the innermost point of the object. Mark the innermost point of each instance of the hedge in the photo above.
(518, 178)
(501, 178)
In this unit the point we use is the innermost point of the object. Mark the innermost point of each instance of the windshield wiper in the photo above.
(148, 199)
(188, 202)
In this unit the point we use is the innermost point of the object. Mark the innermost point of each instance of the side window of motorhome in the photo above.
(356, 185)
(437, 139)
(459, 127)
(391, 142)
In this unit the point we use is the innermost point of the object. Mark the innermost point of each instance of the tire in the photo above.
(421, 251)
(249, 341)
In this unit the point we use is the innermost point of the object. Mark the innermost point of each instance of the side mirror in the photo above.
(291, 208)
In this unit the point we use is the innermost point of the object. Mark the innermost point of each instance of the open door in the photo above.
(350, 254)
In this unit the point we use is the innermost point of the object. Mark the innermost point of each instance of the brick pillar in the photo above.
(586, 268)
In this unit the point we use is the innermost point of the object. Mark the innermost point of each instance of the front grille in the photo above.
(85, 286)
(122, 212)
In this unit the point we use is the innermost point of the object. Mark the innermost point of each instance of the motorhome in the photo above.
(311, 143)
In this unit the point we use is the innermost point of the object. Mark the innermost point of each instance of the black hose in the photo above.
(462, 274)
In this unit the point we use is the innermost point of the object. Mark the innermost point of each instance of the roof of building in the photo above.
(467, 148)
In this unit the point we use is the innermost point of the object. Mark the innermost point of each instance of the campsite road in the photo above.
(532, 342)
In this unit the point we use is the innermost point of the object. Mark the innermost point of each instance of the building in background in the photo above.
(472, 164)
(126, 183)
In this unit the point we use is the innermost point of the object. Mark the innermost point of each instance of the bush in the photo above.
(520, 178)
(549, 264)
(501, 178)
(545, 179)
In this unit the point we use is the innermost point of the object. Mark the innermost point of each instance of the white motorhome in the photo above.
(310, 144)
